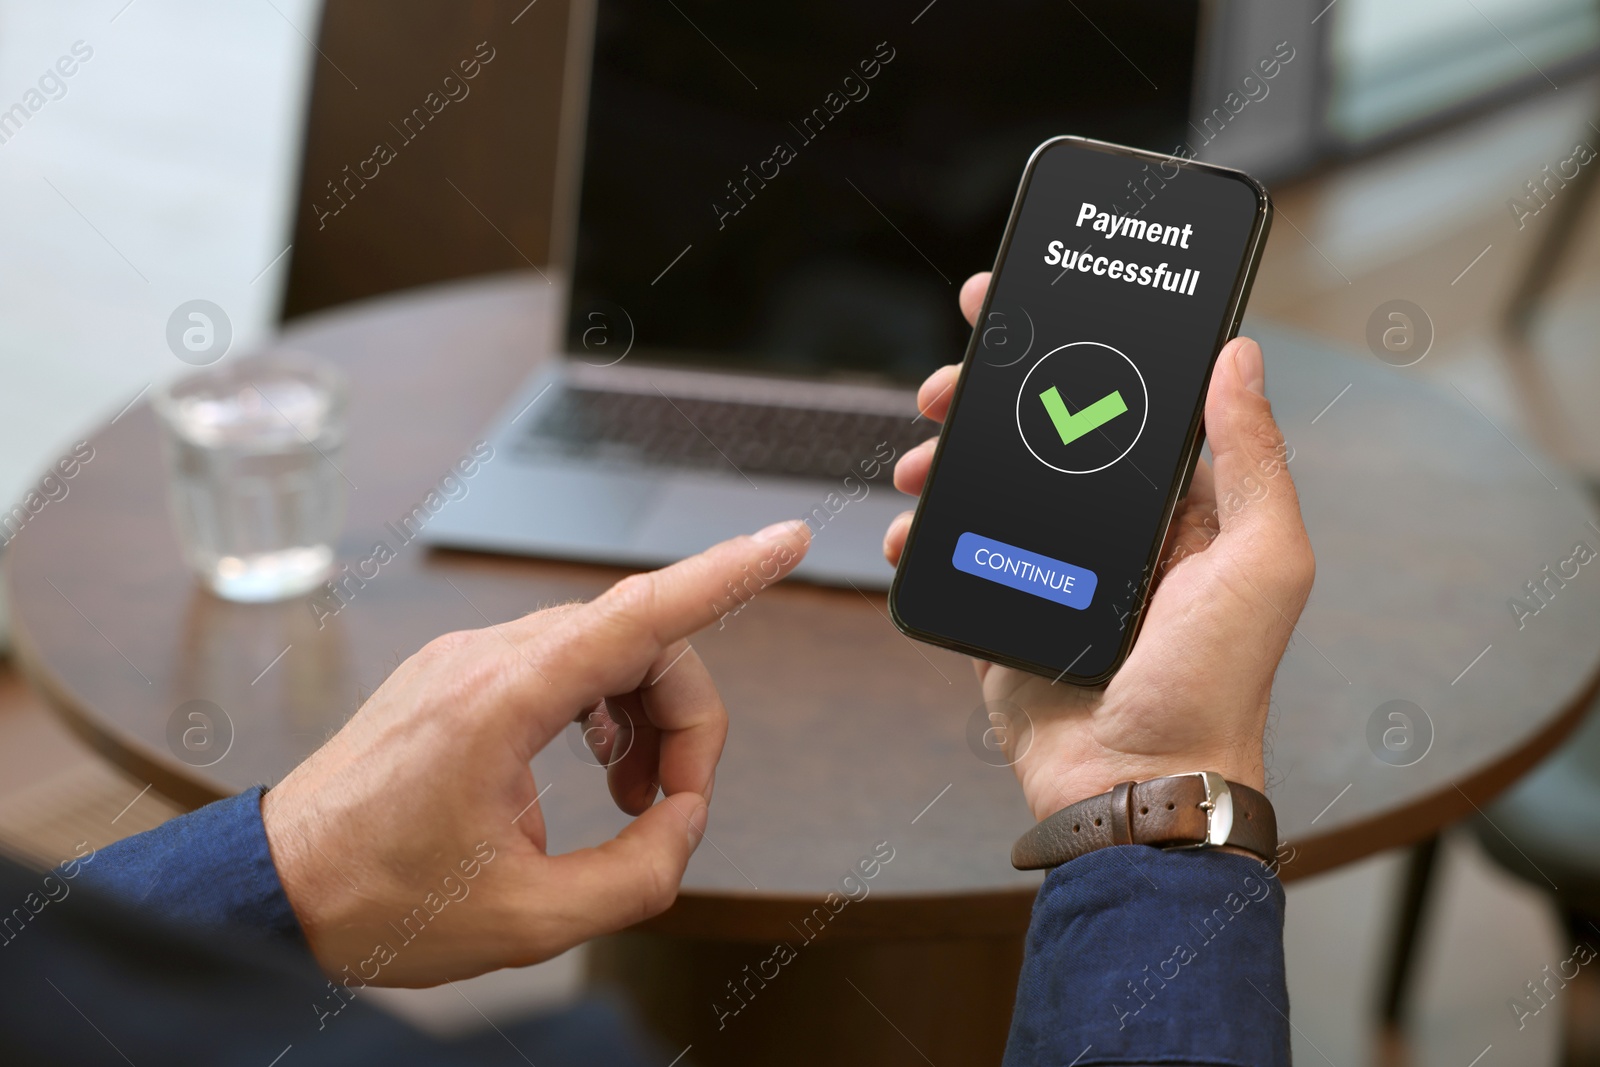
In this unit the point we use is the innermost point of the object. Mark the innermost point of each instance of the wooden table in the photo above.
(1425, 518)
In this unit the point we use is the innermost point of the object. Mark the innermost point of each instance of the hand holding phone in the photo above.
(1075, 421)
(1234, 574)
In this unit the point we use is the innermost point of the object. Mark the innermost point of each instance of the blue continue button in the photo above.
(1024, 570)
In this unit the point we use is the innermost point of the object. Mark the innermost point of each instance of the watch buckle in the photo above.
(1218, 806)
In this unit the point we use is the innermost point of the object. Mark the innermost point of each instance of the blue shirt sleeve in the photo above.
(210, 868)
(1140, 956)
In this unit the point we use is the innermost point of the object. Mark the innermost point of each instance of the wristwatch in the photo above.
(1200, 809)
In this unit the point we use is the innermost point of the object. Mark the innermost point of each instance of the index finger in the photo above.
(934, 394)
(933, 398)
(972, 294)
(606, 647)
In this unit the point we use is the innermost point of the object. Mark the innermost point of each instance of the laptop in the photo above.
(764, 215)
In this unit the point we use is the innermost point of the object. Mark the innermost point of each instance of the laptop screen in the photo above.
(801, 188)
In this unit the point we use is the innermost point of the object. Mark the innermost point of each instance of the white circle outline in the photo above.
(1024, 388)
(580, 748)
(1425, 718)
(1432, 336)
(987, 714)
(632, 335)
(232, 734)
(1033, 335)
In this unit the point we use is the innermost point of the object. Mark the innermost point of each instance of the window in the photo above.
(1395, 64)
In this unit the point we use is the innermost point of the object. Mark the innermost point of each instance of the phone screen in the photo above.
(1077, 416)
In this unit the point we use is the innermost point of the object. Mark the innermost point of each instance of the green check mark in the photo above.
(1071, 427)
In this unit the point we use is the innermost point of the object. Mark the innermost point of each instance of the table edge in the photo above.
(985, 913)
(185, 788)
(1447, 805)
(1417, 820)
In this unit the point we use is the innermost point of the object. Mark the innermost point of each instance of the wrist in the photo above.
(310, 887)
(1052, 785)
(1194, 810)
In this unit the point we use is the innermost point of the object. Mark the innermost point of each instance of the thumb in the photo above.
(1257, 506)
(631, 877)
(1249, 457)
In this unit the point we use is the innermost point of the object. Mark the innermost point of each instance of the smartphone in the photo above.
(1076, 422)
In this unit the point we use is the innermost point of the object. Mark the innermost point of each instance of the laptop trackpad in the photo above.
(847, 535)
(696, 513)
(579, 503)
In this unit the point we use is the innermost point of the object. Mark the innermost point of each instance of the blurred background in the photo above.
(1408, 147)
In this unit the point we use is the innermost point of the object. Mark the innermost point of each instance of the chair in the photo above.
(1537, 394)
(469, 186)
(1546, 830)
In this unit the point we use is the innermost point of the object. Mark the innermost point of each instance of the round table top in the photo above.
(1426, 520)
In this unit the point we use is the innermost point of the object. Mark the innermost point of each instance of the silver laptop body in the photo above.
(642, 465)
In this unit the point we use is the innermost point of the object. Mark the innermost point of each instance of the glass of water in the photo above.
(257, 493)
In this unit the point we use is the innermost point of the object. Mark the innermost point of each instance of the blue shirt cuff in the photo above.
(1139, 956)
(210, 868)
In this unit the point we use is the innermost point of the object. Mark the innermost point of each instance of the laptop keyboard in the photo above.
(716, 435)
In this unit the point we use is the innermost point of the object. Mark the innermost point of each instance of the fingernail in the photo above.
(1247, 360)
(777, 531)
(697, 826)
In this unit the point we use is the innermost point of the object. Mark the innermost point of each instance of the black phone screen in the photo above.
(1077, 415)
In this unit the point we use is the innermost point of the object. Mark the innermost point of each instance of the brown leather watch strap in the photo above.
(1182, 810)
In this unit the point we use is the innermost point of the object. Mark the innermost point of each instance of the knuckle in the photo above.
(1293, 569)
(556, 611)
(1263, 436)
(1303, 566)
(548, 618)
(635, 595)
(447, 645)
(651, 877)
(661, 884)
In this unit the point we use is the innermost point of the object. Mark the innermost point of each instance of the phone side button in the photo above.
(1029, 572)
(1188, 474)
